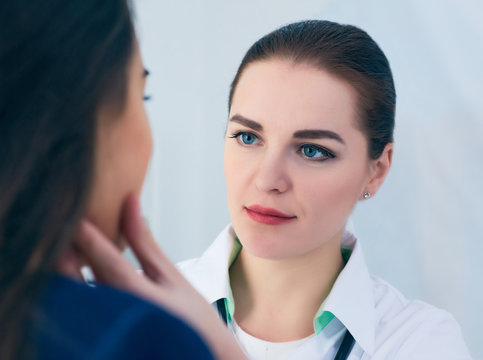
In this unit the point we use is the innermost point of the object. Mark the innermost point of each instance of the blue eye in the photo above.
(246, 138)
(314, 152)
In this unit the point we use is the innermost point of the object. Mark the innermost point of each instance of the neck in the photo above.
(276, 300)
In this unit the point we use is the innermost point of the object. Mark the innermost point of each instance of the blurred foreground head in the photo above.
(59, 62)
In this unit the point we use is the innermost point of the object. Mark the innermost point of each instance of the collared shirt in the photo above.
(321, 319)
(384, 324)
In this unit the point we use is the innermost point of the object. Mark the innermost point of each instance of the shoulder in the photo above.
(76, 321)
(413, 329)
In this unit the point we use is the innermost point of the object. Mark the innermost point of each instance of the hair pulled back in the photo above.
(347, 53)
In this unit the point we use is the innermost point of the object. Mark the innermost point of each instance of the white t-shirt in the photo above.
(258, 349)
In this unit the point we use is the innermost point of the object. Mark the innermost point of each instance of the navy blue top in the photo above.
(76, 321)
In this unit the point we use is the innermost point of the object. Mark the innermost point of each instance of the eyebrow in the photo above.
(300, 134)
(247, 122)
(318, 134)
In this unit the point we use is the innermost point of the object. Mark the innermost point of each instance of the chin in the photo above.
(265, 247)
(269, 254)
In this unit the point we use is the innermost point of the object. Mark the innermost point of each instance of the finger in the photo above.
(110, 267)
(104, 258)
(69, 263)
(154, 262)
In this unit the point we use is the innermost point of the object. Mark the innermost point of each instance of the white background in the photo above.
(423, 232)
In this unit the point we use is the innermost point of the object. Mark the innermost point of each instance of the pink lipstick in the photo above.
(268, 216)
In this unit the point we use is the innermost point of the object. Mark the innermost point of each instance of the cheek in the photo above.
(331, 194)
(142, 147)
(238, 176)
(231, 172)
(122, 158)
(133, 152)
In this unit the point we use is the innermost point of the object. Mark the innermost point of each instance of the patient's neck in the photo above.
(276, 300)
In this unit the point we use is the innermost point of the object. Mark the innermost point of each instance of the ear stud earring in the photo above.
(367, 195)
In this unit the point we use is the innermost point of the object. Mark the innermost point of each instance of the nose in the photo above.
(272, 174)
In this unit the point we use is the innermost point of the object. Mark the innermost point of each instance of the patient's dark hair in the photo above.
(59, 61)
(347, 53)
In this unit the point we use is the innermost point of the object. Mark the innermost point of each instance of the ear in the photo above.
(379, 170)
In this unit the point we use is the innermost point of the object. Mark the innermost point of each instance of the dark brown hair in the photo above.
(59, 61)
(346, 52)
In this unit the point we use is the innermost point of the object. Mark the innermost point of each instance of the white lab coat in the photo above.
(384, 324)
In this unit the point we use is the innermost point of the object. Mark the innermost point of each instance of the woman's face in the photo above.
(295, 161)
(123, 150)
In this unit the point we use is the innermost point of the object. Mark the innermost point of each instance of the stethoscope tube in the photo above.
(345, 347)
(220, 307)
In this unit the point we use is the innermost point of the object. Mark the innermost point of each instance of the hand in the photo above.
(161, 282)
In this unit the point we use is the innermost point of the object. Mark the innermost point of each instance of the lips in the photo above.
(268, 216)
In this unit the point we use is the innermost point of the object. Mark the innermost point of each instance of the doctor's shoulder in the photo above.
(414, 329)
